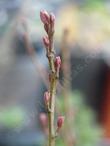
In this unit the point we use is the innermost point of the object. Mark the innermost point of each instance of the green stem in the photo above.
(52, 112)
(52, 90)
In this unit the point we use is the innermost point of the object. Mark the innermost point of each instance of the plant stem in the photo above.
(52, 90)
(54, 64)
(51, 113)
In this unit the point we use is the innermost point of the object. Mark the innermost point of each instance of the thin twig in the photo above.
(54, 64)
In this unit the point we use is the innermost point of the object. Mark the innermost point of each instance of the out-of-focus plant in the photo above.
(80, 127)
(86, 131)
(12, 118)
(48, 21)
(32, 53)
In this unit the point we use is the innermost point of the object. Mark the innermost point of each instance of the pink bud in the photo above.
(43, 119)
(44, 16)
(46, 97)
(52, 19)
(58, 62)
(60, 121)
(46, 41)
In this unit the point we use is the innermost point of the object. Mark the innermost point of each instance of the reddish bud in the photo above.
(46, 97)
(44, 16)
(52, 19)
(58, 62)
(60, 121)
(46, 41)
(43, 119)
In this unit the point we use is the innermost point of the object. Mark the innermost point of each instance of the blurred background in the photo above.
(82, 38)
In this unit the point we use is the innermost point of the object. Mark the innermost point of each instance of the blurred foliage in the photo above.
(12, 117)
(85, 128)
(97, 5)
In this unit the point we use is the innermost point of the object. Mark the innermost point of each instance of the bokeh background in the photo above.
(83, 29)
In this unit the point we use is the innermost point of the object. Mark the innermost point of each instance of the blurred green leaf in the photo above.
(13, 117)
(84, 123)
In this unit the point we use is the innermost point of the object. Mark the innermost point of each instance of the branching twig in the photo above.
(54, 63)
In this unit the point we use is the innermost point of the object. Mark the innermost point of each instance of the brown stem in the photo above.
(52, 90)
(48, 21)
(52, 111)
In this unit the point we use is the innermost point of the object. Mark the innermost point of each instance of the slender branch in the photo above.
(52, 90)
(48, 42)
(54, 63)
